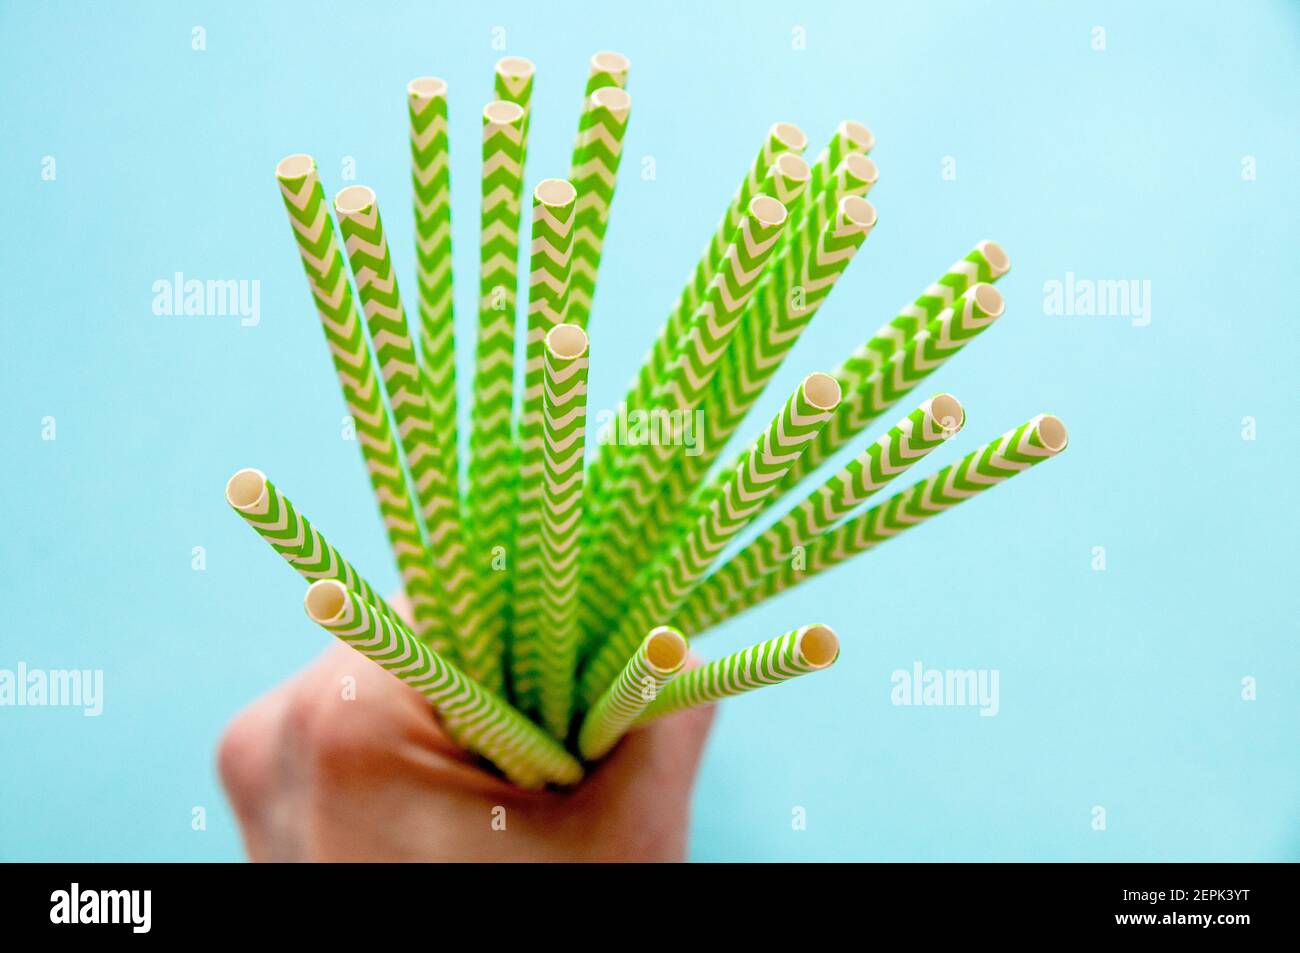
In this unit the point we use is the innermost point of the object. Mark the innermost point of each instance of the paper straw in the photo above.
(607, 68)
(617, 515)
(768, 331)
(327, 276)
(986, 262)
(1014, 452)
(268, 511)
(781, 138)
(479, 719)
(554, 212)
(850, 138)
(426, 99)
(512, 82)
(595, 174)
(491, 449)
(803, 650)
(662, 585)
(366, 245)
(659, 657)
(565, 426)
(973, 311)
(906, 443)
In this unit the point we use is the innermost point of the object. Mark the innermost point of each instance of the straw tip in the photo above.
(516, 67)
(818, 645)
(555, 192)
(613, 98)
(294, 166)
(988, 298)
(567, 341)
(790, 136)
(1052, 432)
(607, 61)
(947, 412)
(502, 112)
(325, 600)
(245, 488)
(427, 87)
(767, 210)
(996, 256)
(353, 199)
(822, 391)
(665, 649)
(858, 134)
(858, 212)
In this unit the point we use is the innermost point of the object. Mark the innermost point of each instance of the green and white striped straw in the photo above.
(426, 100)
(512, 82)
(954, 327)
(659, 657)
(554, 212)
(986, 262)
(270, 513)
(1014, 452)
(850, 138)
(606, 68)
(803, 650)
(595, 174)
(491, 464)
(565, 427)
(662, 586)
(781, 138)
(906, 443)
(327, 276)
(769, 330)
(615, 518)
(478, 719)
(366, 245)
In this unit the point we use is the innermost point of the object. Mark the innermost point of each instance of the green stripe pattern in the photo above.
(565, 427)
(478, 718)
(986, 262)
(994, 463)
(906, 443)
(810, 648)
(549, 283)
(313, 229)
(595, 174)
(781, 138)
(271, 514)
(636, 687)
(426, 100)
(616, 517)
(662, 585)
(512, 82)
(949, 331)
(366, 245)
(491, 462)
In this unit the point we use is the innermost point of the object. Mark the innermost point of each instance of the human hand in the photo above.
(315, 775)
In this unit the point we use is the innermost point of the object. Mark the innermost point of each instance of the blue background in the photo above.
(1119, 688)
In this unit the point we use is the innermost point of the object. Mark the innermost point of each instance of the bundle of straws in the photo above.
(551, 599)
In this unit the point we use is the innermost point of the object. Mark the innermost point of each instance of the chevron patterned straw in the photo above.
(491, 461)
(850, 138)
(512, 82)
(1039, 439)
(664, 584)
(426, 100)
(304, 200)
(905, 444)
(986, 263)
(623, 508)
(781, 138)
(660, 656)
(367, 249)
(565, 426)
(554, 212)
(951, 330)
(478, 718)
(289, 533)
(768, 331)
(595, 174)
(807, 649)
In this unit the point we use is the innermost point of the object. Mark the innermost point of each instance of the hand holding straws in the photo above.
(549, 599)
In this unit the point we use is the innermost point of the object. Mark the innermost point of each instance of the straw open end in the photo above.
(567, 341)
(989, 299)
(1052, 433)
(325, 600)
(503, 112)
(354, 198)
(790, 136)
(858, 211)
(767, 210)
(294, 166)
(818, 645)
(515, 67)
(793, 167)
(665, 649)
(555, 192)
(862, 168)
(858, 134)
(996, 256)
(427, 87)
(607, 61)
(947, 411)
(246, 488)
(822, 391)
